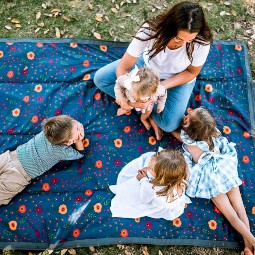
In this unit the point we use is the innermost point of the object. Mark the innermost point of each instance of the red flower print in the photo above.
(148, 225)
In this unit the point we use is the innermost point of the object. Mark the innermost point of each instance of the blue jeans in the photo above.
(176, 103)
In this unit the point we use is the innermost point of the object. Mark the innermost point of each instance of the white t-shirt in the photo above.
(167, 62)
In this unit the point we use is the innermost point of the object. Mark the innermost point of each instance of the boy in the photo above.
(40, 154)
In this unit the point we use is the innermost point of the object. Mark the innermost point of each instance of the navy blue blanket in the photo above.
(69, 205)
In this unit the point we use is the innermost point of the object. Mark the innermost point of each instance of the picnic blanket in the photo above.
(69, 205)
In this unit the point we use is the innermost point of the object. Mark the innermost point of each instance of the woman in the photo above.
(174, 44)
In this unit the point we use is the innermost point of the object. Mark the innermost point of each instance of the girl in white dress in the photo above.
(152, 185)
(212, 162)
(143, 86)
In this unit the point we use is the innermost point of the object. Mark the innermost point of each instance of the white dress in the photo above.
(135, 199)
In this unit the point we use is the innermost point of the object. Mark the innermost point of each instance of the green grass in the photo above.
(76, 19)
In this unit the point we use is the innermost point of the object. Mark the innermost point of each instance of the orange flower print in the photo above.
(46, 186)
(38, 88)
(137, 220)
(86, 63)
(127, 129)
(253, 210)
(103, 47)
(98, 164)
(86, 142)
(1, 54)
(124, 233)
(152, 140)
(246, 134)
(177, 222)
(10, 74)
(16, 112)
(26, 99)
(189, 110)
(9, 43)
(62, 209)
(73, 45)
(216, 209)
(22, 209)
(76, 232)
(88, 192)
(245, 159)
(128, 113)
(226, 130)
(212, 224)
(30, 55)
(39, 45)
(238, 47)
(118, 143)
(97, 96)
(13, 225)
(208, 88)
(97, 207)
(86, 77)
(34, 119)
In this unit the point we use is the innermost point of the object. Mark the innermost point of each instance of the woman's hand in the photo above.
(140, 105)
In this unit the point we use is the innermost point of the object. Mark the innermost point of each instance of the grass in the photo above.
(117, 20)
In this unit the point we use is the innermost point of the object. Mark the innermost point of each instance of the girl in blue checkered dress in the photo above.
(212, 162)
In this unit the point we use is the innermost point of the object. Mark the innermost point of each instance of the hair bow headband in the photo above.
(133, 77)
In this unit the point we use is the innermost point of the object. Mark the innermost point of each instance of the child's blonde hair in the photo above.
(202, 127)
(58, 129)
(170, 170)
(148, 83)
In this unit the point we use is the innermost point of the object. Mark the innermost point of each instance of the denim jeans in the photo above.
(177, 98)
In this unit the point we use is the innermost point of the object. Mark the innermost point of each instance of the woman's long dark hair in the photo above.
(185, 16)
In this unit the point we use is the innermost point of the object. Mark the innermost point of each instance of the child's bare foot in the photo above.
(121, 112)
(158, 131)
(146, 123)
(247, 251)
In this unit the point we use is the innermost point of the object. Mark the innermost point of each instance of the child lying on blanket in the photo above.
(212, 162)
(152, 185)
(140, 86)
(39, 154)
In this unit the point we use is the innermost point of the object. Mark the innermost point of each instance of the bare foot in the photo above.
(247, 251)
(146, 123)
(121, 112)
(158, 131)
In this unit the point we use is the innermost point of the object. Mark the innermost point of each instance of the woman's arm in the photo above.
(181, 78)
(125, 64)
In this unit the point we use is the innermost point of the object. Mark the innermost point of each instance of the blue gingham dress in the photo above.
(216, 171)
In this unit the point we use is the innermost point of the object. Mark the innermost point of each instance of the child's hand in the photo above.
(141, 174)
(81, 130)
(119, 101)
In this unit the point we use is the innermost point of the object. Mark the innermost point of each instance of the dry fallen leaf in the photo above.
(37, 30)
(72, 251)
(41, 24)
(233, 12)
(114, 10)
(160, 252)
(63, 251)
(18, 25)
(145, 250)
(222, 13)
(227, 3)
(99, 19)
(46, 31)
(8, 27)
(44, 6)
(97, 35)
(66, 18)
(38, 15)
(91, 248)
(57, 32)
(48, 15)
(90, 6)
(15, 21)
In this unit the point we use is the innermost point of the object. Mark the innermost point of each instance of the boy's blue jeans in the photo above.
(177, 98)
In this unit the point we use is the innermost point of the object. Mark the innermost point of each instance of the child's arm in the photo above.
(194, 151)
(162, 96)
(146, 191)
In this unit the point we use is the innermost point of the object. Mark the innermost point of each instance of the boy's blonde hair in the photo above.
(58, 129)
(148, 84)
(202, 127)
(170, 170)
